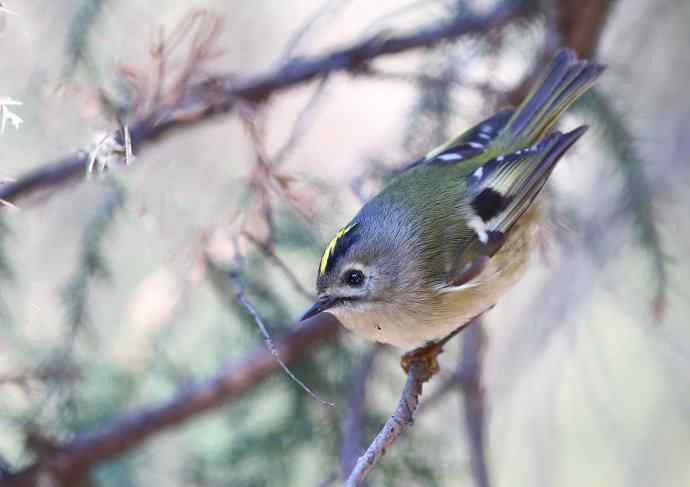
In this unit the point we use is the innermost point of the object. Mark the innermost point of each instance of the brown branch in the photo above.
(578, 24)
(218, 95)
(397, 424)
(352, 425)
(473, 403)
(422, 365)
(72, 460)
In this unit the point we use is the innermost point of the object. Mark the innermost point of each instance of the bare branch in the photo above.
(301, 123)
(397, 424)
(244, 301)
(354, 415)
(421, 365)
(218, 95)
(268, 251)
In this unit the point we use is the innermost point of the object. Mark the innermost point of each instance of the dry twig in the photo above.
(269, 253)
(244, 301)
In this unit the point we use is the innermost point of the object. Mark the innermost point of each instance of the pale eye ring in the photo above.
(354, 278)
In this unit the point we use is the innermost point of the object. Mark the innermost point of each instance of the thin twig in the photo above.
(244, 301)
(301, 123)
(330, 8)
(280, 263)
(129, 154)
(8, 204)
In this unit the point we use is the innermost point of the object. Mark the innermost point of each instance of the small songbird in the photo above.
(446, 238)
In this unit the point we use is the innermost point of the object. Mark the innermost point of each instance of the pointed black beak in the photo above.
(322, 304)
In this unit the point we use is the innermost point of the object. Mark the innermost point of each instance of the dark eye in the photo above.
(354, 278)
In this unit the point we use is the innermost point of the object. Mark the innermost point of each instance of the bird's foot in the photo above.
(425, 357)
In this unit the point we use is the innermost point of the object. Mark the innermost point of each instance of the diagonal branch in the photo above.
(218, 95)
(73, 459)
(242, 298)
(397, 424)
(421, 365)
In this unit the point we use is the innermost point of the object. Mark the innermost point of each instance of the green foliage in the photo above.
(430, 115)
(92, 261)
(639, 195)
(6, 272)
(277, 421)
(77, 49)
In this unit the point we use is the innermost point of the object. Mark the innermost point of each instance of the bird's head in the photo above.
(356, 271)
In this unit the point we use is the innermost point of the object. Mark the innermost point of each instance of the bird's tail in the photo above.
(561, 83)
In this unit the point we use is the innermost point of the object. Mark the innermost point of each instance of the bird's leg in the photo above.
(427, 355)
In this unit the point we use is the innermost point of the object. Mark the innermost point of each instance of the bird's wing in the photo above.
(473, 141)
(506, 160)
(498, 194)
(561, 84)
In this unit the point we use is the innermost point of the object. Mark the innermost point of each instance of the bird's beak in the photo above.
(322, 304)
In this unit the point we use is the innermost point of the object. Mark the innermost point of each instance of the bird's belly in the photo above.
(398, 326)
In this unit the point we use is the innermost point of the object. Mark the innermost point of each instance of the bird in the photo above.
(448, 236)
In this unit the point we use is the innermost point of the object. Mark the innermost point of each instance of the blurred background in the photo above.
(116, 308)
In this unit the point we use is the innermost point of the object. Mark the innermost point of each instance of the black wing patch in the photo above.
(489, 203)
(504, 187)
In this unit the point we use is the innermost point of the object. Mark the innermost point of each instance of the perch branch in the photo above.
(397, 424)
(422, 367)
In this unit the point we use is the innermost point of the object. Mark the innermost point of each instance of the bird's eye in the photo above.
(354, 278)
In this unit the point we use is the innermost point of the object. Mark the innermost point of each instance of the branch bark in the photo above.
(422, 364)
(397, 424)
(352, 425)
(578, 24)
(69, 462)
(472, 399)
(218, 95)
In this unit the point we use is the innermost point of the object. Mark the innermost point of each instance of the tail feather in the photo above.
(564, 81)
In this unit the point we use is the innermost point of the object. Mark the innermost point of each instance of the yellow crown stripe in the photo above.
(330, 248)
